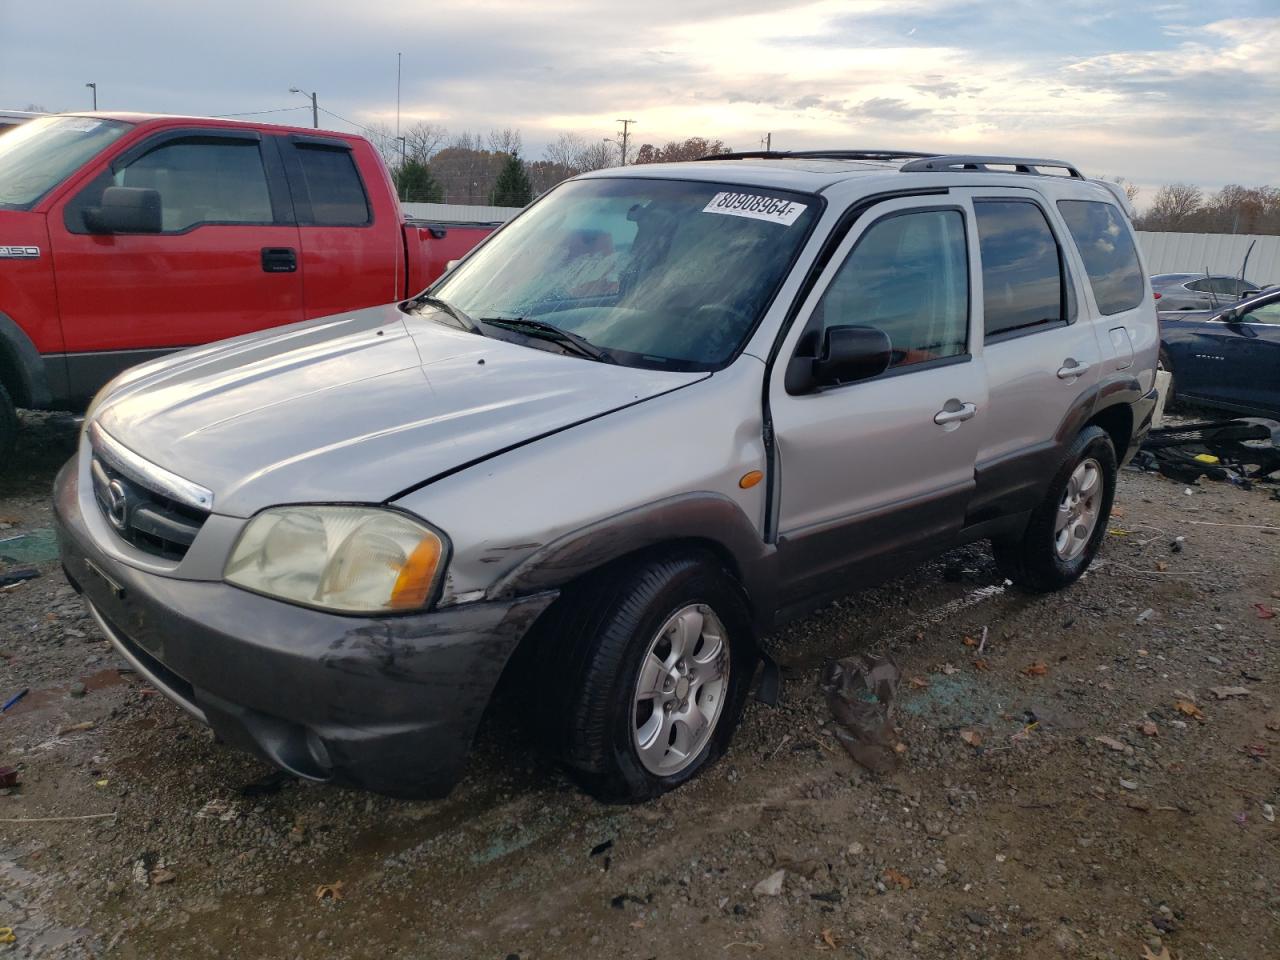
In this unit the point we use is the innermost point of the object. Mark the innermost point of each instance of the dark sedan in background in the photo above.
(1227, 358)
(1198, 291)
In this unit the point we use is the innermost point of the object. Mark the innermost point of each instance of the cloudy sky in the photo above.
(1156, 92)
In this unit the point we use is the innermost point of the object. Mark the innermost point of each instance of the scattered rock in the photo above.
(771, 885)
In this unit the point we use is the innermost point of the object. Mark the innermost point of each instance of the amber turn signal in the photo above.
(750, 479)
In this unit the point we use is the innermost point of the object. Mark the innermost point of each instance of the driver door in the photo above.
(882, 468)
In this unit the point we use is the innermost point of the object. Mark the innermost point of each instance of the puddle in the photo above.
(21, 898)
(46, 696)
(34, 546)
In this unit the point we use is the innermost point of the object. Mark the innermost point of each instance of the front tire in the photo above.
(648, 668)
(8, 425)
(1064, 532)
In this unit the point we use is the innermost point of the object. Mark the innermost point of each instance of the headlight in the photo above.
(350, 559)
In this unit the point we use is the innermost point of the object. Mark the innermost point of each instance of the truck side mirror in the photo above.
(125, 210)
(849, 353)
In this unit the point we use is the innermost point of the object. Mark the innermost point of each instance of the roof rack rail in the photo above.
(819, 155)
(985, 165)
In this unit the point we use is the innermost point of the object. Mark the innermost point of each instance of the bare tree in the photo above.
(1174, 206)
(566, 150)
(382, 136)
(596, 156)
(506, 140)
(1131, 189)
(694, 148)
(423, 139)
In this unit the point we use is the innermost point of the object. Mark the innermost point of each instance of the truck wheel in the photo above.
(1064, 532)
(8, 425)
(648, 669)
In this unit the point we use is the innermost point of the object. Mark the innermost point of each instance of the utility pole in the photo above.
(625, 134)
(315, 110)
(768, 142)
(94, 88)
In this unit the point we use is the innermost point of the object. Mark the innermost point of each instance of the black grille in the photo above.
(151, 521)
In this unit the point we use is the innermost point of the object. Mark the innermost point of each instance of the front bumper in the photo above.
(386, 703)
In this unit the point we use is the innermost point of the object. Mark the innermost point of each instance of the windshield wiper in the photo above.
(549, 331)
(464, 321)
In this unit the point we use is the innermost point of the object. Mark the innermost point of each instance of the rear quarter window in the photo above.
(1106, 247)
(333, 186)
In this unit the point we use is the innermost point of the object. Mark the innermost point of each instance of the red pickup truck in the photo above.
(126, 236)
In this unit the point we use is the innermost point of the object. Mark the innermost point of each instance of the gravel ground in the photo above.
(1076, 790)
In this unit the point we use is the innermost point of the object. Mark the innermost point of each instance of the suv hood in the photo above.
(354, 408)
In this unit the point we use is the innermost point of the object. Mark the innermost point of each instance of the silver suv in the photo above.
(660, 411)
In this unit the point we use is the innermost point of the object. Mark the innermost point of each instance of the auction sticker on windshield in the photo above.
(756, 206)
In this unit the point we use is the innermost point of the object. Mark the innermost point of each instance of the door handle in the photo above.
(955, 412)
(1071, 369)
(279, 260)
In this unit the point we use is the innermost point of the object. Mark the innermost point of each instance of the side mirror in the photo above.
(125, 210)
(1230, 315)
(849, 354)
(1249, 293)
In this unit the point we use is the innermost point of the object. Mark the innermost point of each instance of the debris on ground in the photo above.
(217, 810)
(770, 886)
(13, 701)
(860, 693)
(329, 891)
(11, 578)
(1242, 451)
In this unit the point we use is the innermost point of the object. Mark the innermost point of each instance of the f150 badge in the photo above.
(19, 253)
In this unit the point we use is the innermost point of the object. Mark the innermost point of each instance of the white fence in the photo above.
(1212, 252)
(459, 212)
(1164, 252)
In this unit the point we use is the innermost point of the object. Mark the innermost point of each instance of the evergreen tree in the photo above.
(512, 188)
(415, 184)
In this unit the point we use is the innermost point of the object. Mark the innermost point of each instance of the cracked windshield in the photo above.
(654, 272)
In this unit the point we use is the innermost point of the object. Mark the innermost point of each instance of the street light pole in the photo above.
(315, 110)
(625, 135)
(94, 88)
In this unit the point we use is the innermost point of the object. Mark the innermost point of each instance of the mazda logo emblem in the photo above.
(118, 504)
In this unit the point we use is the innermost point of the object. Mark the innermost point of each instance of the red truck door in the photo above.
(351, 231)
(224, 263)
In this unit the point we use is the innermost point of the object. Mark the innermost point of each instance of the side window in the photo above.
(1200, 286)
(1267, 313)
(333, 185)
(1021, 267)
(1106, 246)
(203, 180)
(909, 276)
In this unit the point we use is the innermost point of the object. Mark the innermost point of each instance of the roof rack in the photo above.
(939, 164)
(819, 155)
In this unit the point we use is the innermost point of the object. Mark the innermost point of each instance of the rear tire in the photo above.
(8, 425)
(629, 705)
(1064, 532)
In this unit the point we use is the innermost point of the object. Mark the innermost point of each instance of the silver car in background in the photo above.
(658, 413)
(1199, 291)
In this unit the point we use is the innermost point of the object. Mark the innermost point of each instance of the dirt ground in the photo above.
(1100, 781)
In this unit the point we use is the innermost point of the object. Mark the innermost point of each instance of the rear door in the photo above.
(881, 469)
(351, 231)
(225, 262)
(1040, 347)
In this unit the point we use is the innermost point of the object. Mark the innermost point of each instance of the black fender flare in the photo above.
(704, 516)
(22, 369)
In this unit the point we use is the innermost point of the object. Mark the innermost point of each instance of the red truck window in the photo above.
(199, 179)
(333, 184)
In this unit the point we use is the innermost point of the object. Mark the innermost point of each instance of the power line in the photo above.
(361, 126)
(256, 113)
